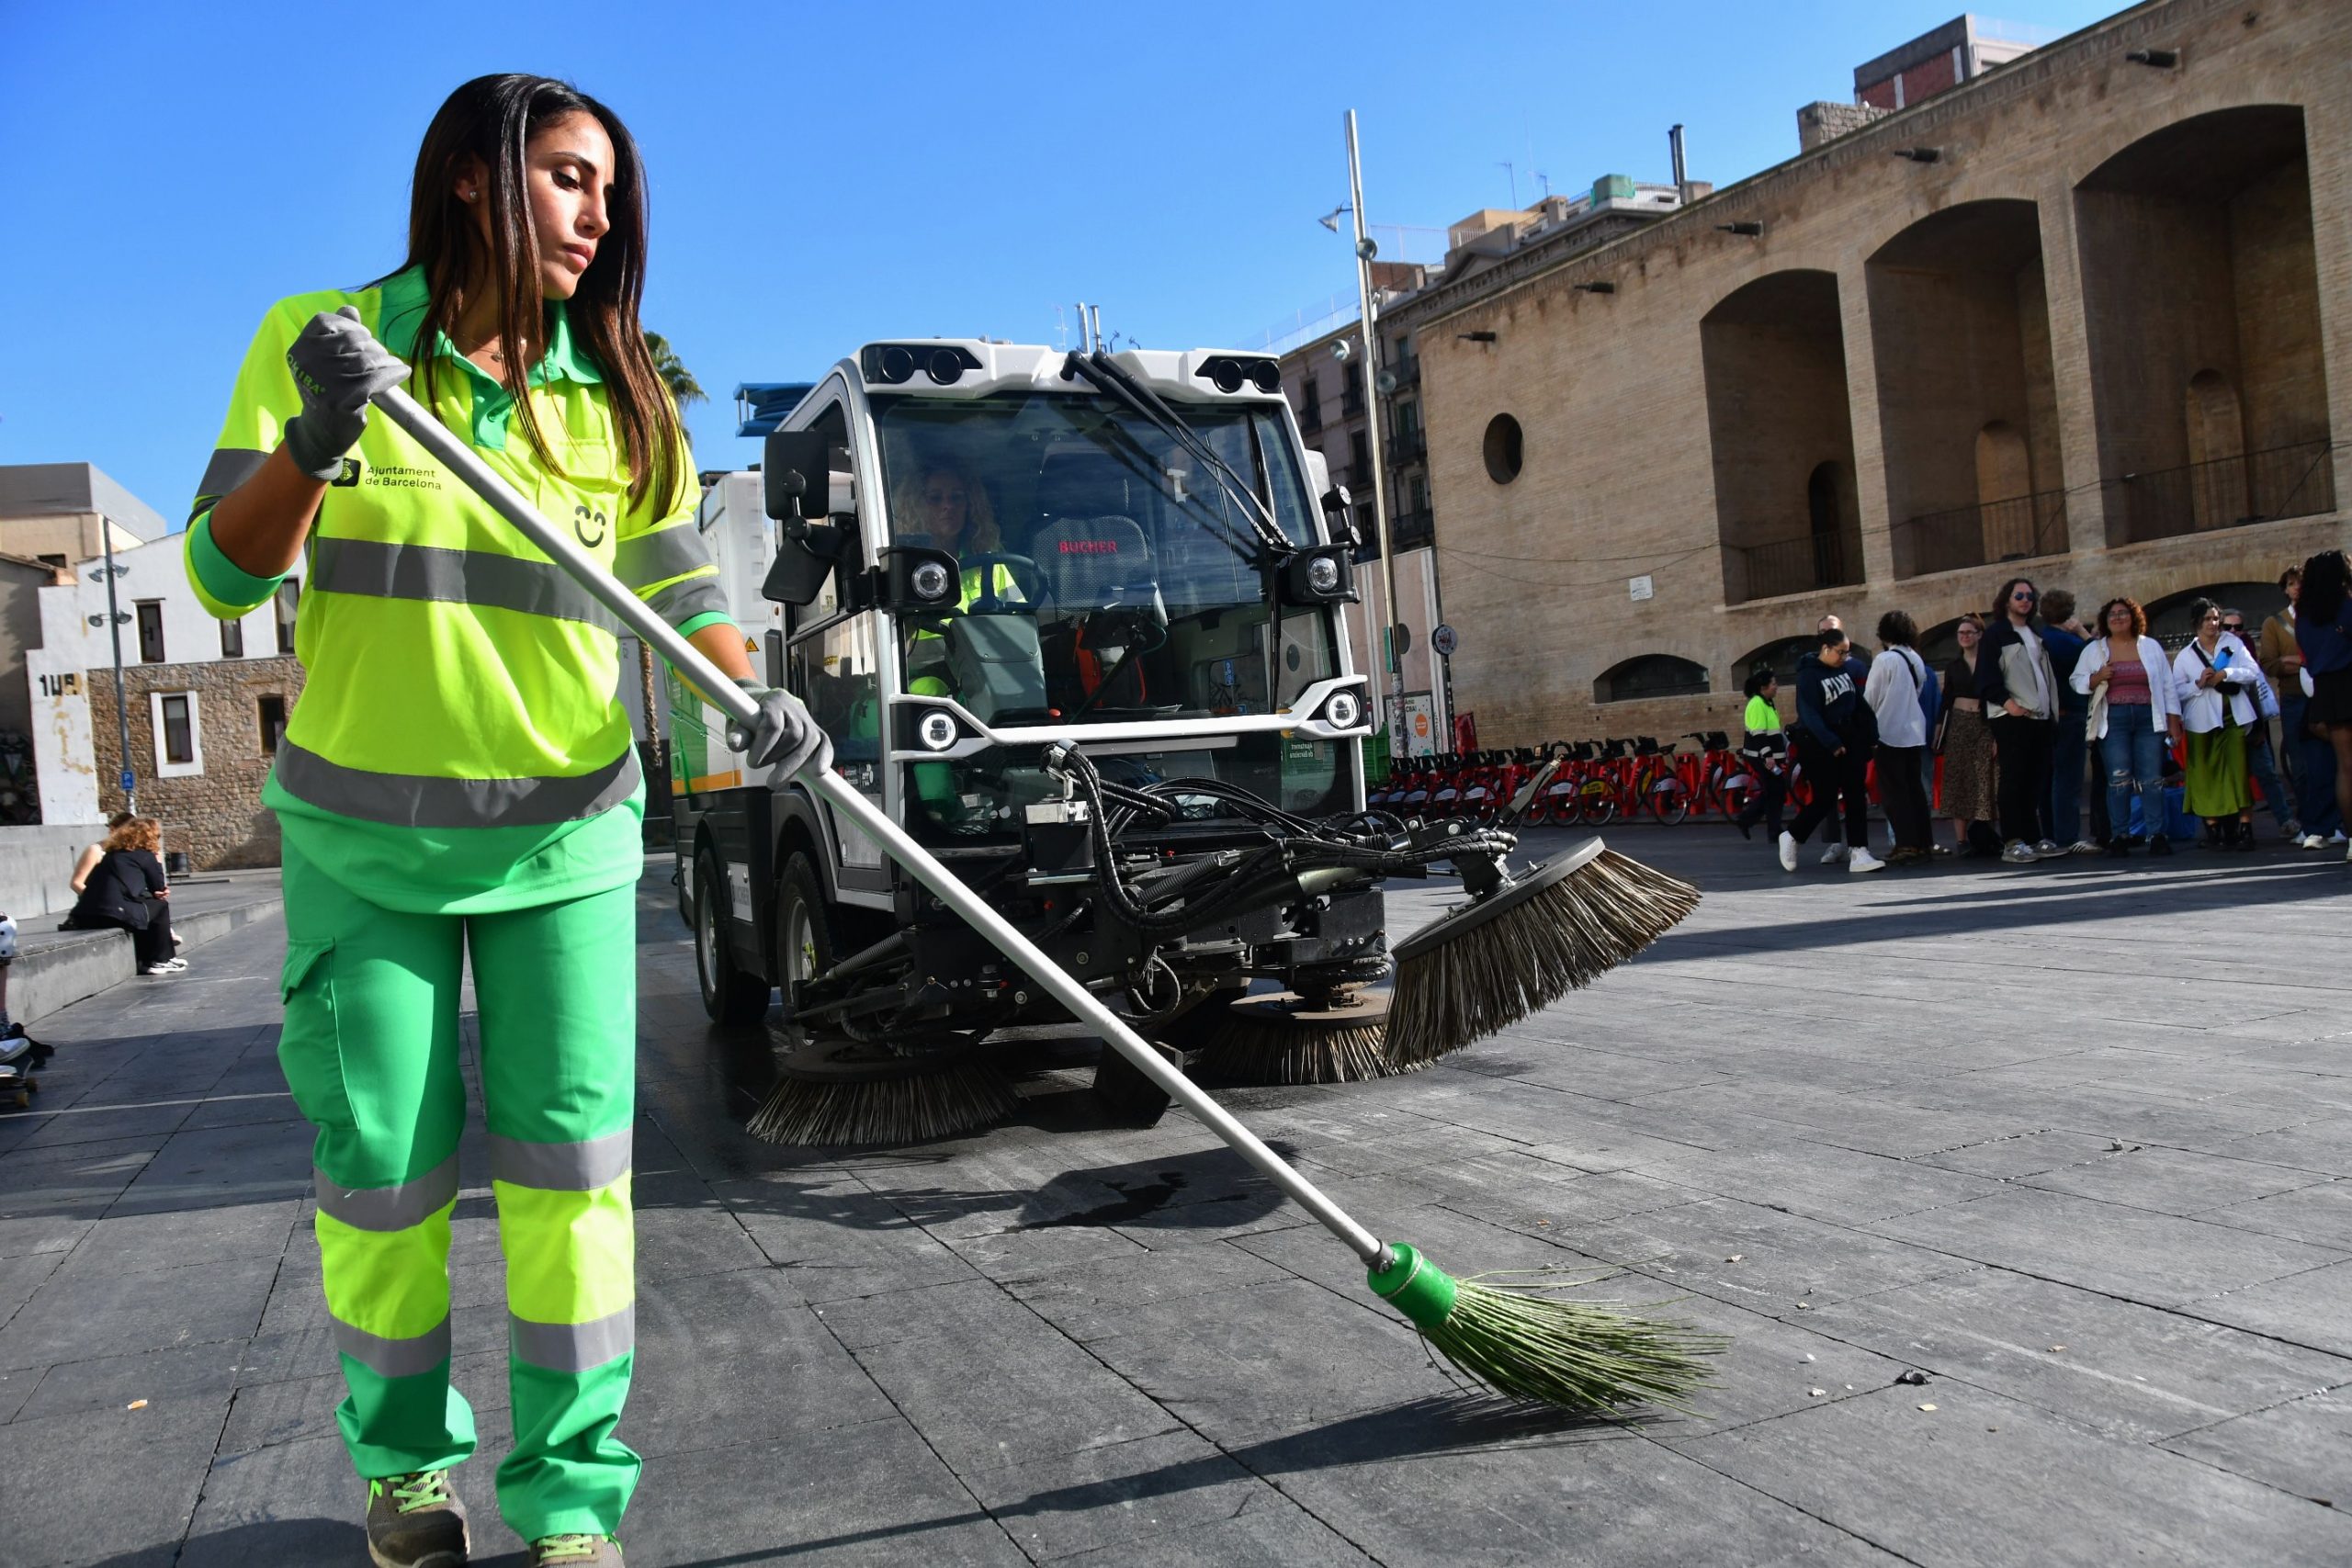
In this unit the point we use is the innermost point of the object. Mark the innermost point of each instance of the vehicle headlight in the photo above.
(1323, 574)
(936, 730)
(1343, 711)
(930, 581)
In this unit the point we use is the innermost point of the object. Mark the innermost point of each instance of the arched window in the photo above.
(1651, 675)
(2168, 616)
(2216, 451)
(1780, 656)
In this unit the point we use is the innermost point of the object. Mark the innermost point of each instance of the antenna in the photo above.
(1547, 183)
(1512, 170)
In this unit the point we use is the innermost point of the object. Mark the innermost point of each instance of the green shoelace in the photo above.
(567, 1548)
(425, 1489)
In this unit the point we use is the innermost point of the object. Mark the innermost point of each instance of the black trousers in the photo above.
(2025, 773)
(1904, 795)
(1836, 780)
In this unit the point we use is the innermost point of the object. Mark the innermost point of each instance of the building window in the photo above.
(271, 712)
(179, 750)
(60, 562)
(232, 639)
(1504, 449)
(1651, 675)
(289, 600)
(1359, 459)
(150, 631)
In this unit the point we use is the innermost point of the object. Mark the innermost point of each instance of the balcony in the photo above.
(2226, 492)
(1310, 418)
(1789, 566)
(1412, 530)
(1407, 447)
(2019, 528)
(1407, 370)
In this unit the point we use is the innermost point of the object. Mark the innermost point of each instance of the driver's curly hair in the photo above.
(980, 518)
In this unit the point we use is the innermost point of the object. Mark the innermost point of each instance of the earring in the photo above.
(467, 195)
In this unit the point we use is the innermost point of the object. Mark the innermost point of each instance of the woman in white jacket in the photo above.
(2136, 711)
(2212, 677)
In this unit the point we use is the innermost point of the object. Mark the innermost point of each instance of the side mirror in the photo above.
(795, 481)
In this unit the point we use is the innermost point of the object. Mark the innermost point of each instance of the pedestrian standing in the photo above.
(2064, 639)
(1833, 737)
(2260, 765)
(2323, 635)
(2213, 677)
(2014, 678)
(1895, 689)
(1858, 661)
(2133, 712)
(1764, 746)
(457, 780)
(2304, 754)
(1969, 764)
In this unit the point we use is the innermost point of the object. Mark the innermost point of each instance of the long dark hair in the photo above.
(2327, 578)
(2001, 600)
(493, 119)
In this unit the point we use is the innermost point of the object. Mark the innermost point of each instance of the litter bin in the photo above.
(175, 862)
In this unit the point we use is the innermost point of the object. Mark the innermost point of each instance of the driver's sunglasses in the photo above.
(2233, 626)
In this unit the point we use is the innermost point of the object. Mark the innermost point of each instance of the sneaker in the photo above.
(2118, 850)
(175, 964)
(1863, 860)
(2312, 841)
(2085, 847)
(1788, 852)
(2161, 844)
(416, 1521)
(2020, 852)
(163, 968)
(2337, 837)
(2048, 850)
(1835, 854)
(576, 1552)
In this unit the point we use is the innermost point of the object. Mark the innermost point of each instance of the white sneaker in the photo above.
(1788, 852)
(159, 969)
(1863, 860)
(2313, 841)
(1835, 854)
(2085, 847)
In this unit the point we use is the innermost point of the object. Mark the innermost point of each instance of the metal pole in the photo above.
(114, 630)
(1393, 675)
(835, 791)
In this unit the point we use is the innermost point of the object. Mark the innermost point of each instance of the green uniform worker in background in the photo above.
(458, 779)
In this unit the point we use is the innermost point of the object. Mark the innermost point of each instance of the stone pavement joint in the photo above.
(2027, 1132)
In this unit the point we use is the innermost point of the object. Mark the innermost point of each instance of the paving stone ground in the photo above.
(2071, 1140)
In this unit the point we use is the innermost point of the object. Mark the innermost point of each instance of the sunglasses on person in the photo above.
(2233, 626)
(2023, 596)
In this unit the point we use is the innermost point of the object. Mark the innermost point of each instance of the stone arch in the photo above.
(1651, 675)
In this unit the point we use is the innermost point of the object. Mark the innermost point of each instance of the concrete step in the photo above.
(55, 969)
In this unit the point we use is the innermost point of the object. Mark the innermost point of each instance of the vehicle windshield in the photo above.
(1105, 577)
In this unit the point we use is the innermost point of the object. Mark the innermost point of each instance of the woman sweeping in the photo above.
(457, 780)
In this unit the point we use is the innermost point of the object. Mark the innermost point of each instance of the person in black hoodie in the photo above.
(128, 892)
(1833, 736)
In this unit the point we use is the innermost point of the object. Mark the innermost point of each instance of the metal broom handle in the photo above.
(484, 481)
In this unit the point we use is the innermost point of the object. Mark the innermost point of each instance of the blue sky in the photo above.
(826, 175)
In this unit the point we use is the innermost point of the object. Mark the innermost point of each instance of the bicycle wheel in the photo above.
(1596, 804)
(1669, 802)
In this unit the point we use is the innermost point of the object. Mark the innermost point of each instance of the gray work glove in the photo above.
(781, 734)
(337, 366)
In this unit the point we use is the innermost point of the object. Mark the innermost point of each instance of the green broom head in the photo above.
(1522, 943)
(1525, 1341)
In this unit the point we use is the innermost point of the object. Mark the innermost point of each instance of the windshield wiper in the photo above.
(1106, 376)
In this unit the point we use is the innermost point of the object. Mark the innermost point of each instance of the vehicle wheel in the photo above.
(804, 937)
(729, 995)
(1671, 804)
(1598, 807)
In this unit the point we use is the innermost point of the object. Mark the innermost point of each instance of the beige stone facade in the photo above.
(2102, 338)
(214, 812)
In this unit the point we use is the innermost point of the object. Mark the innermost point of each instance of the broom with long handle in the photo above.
(1516, 1339)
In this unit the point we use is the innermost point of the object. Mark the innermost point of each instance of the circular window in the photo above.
(1504, 451)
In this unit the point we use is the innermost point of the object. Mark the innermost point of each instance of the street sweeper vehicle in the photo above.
(1076, 623)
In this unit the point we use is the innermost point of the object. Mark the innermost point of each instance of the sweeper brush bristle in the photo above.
(1284, 1039)
(1525, 1340)
(1488, 965)
(935, 1101)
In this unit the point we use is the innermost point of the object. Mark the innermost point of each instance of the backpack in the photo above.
(1932, 694)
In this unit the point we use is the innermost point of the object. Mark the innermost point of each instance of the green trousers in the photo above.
(370, 1051)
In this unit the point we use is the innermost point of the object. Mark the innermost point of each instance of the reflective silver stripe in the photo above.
(682, 602)
(573, 1347)
(414, 800)
(382, 570)
(562, 1168)
(394, 1357)
(388, 1208)
(230, 467)
(658, 556)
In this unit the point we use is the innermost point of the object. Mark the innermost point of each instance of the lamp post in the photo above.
(1392, 694)
(114, 623)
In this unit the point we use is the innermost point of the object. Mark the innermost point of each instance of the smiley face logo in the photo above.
(589, 526)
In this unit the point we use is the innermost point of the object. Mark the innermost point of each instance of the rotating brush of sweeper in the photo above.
(836, 1091)
(1285, 1038)
(1522, 942)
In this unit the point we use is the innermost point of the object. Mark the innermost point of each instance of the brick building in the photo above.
(2072, 318)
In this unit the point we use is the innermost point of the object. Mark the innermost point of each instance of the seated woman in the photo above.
(128, 892)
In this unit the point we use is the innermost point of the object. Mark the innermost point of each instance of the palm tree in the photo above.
(684, 389)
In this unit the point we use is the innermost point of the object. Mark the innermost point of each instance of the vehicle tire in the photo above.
(1598, 807)
(729, 995)
(1669, 802)
(804, 936)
